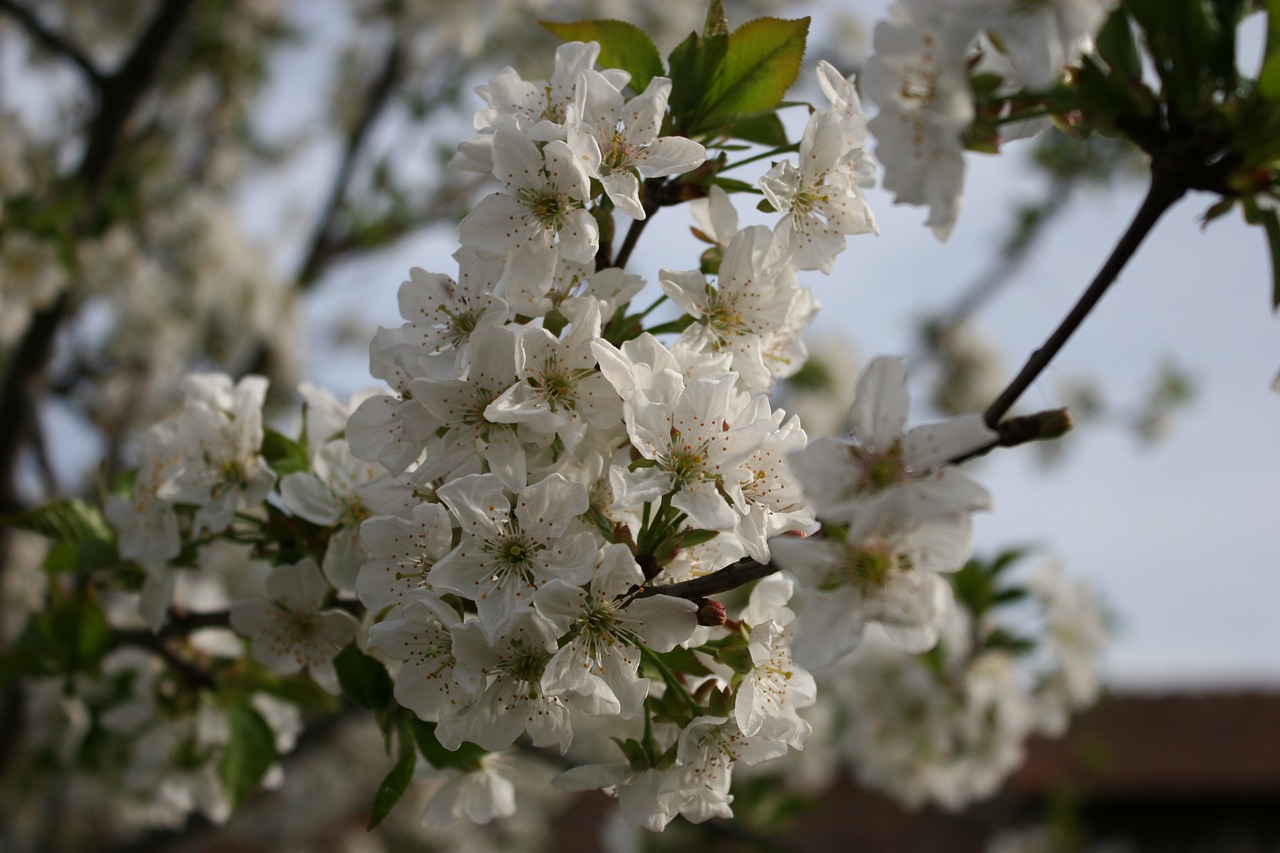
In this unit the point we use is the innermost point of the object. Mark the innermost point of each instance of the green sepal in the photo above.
(396, 782)
(1216, 210)
(634, 752)
(720, 703)
(622, 45)
(691, 537)
(249, 754)
(736, 654)
(283, 454)
(364, 680)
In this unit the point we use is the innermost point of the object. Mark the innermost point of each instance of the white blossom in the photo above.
(600, 662)
(616, 139)
(507, 553)
(289, 630)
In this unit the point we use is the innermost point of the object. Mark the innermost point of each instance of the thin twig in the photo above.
(53, 41)
(737, 574)
(322, 237)
(1041, 426)
(1165, 189)
(653, 193)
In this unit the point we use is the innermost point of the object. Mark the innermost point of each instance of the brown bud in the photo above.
(711, 613)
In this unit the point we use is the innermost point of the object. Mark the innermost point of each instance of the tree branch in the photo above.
(1166, 187)
(730, 577)
(53, 41)
(119, 94)
(654, 191)
(322, 237)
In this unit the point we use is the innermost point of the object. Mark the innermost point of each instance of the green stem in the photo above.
(672, 326)
(646, 312)
(785, 149)
(1022, 116)
(669, 678)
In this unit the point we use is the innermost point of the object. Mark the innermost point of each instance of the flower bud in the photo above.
(711, 613)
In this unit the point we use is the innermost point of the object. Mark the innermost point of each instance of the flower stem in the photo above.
(783, 149)
(669, 678)
(1166, 188)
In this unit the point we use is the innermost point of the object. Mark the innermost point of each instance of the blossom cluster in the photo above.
(510, 524)
(919, 77)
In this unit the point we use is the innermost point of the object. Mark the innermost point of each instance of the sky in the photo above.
(1182, 538)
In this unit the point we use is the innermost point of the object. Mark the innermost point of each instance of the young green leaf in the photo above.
(761, 62)
(622, 45)
(1269, 75)
(466, 757)
(717, 22)
(1115, 44)
(249, 753)
(396, 782)
(363, 679)
(763, 129)
(66, 520)
(283, 454)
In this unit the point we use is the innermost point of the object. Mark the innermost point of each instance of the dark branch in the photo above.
(323, 239)
(1041, 426)
(179, 625)
(1165, 189)
(53, 41)
(654, 195)
(119, 94)
(730, 577)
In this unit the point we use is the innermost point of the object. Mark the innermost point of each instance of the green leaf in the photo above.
(66, 520)
(733, 185)
(1269, 75)
(87, 556)
(466, 757)
(692, 537)
(634, 752)
(300, 691)
(397, 781)
(1266, 217)
(363, 679)
(1115, 44)
(761, 62)
(622, 45)
(684, 661)
(1179, 37)
(717, 22)
(249, 753)
(761, 128)
(693, 64)
(71, 636)
(283, 454)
